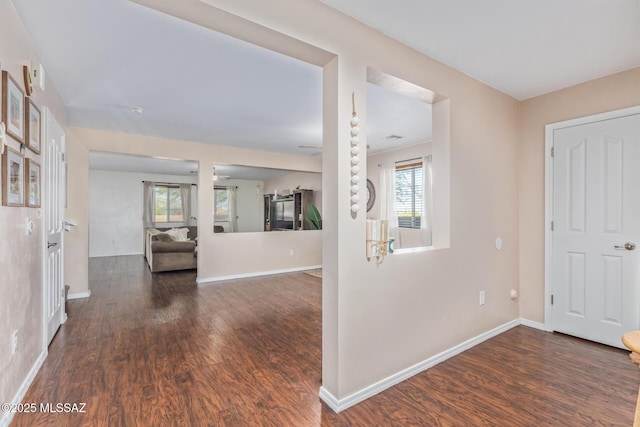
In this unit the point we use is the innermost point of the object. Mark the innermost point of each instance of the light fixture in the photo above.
(37, 75)
(377, 239)
(220, 177)
(33, 77)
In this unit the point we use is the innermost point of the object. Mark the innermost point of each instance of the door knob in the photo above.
(628, 246)
(50, 244)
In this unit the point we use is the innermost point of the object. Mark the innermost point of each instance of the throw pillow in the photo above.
(178, 234)
(163, 237)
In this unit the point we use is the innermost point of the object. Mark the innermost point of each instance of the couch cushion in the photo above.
(158, 247)
(192, 234)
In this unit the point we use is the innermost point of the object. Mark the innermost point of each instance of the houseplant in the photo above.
(314, 217)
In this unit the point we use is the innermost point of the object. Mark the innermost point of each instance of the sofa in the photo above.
(164, 253)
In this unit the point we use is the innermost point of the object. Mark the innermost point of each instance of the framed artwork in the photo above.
(33, 181)
(13, 107)
(12, 178)
(33, 127)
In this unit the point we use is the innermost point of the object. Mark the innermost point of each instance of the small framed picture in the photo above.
(12, 178)
(33, 127)
(33, 183)
(13, 107)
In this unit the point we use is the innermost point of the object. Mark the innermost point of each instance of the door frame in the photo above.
(548, 191)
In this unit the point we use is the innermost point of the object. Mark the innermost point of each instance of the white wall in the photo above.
(76, 248)
(249, 204)
(116, 210)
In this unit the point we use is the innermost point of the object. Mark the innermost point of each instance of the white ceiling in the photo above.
(107, 56)
(392, 114)
(523, 48)
(199, 85)
(192, 83)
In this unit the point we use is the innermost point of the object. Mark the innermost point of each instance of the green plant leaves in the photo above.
(314, 217)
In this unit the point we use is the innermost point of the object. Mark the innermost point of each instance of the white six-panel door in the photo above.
(54, 211)
(596, 224)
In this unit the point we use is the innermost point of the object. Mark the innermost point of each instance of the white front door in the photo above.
(54, 211)
(596, 227)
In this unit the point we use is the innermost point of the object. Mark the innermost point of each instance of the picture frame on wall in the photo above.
(33, 183)
(33, 127)
(13, 108)
(13, 174)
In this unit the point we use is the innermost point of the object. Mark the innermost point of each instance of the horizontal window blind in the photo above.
(409, 194)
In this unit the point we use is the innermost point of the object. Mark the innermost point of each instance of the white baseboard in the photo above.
(6, 418)
(339, 405)
(330, 400)
(204, 281)
(534, 325)
(110, 255)
(79, 295)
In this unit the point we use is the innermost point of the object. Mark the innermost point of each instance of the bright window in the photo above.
(168, 204)
(409, 194)
(221, 204)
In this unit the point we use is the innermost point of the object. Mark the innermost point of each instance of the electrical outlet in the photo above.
(14, 342)
(290, 252)
(481, 297)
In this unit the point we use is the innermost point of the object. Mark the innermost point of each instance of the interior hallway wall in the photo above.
(597, 96)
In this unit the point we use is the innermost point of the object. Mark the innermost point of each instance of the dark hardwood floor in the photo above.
(156, 350)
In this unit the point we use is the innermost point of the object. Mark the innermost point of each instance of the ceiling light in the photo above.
(137, 110)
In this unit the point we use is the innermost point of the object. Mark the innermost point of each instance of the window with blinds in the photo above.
(409, 194)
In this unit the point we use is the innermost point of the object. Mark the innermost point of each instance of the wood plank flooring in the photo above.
(155, 350)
